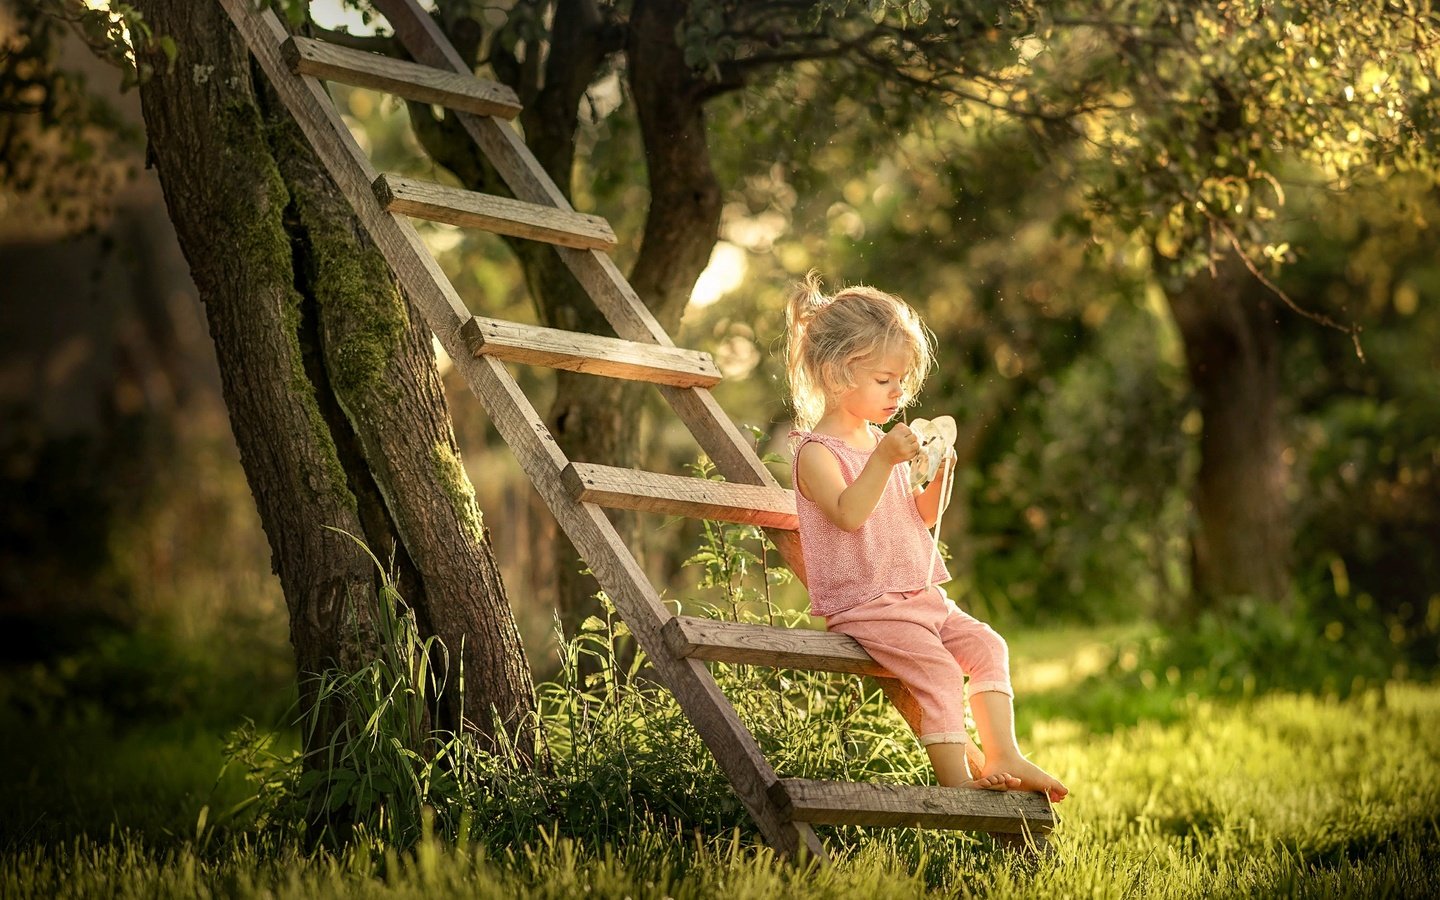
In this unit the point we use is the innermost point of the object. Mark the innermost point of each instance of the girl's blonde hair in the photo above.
(828, 336)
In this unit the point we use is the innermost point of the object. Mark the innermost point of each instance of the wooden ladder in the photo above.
(678, 647)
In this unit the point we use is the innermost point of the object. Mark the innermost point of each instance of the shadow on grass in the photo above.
(121, 730)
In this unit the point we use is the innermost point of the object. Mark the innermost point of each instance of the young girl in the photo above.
(854, 360)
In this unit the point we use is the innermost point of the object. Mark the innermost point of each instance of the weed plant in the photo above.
(625, 762)
(378, 770)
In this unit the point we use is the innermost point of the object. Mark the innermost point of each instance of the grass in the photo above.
(1287, 794)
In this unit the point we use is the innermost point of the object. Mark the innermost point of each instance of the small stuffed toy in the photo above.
(937, 437)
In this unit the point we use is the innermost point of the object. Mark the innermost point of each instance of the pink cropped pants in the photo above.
(930, 645)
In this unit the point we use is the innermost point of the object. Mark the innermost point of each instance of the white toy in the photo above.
(937, 438)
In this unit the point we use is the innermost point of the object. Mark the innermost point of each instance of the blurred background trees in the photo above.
(1149, 428)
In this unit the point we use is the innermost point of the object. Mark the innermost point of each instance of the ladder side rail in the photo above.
(586, 525)
(526, 178)
(615, 567)
(595, 271)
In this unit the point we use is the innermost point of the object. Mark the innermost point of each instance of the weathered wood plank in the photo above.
(501, 215)
(589, 353)
(454, 90)
(678, 495)
(795, 648)
(845, 803)
(764, 645)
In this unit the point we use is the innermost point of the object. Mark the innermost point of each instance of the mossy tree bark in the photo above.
(1241, 543)
(330, 380)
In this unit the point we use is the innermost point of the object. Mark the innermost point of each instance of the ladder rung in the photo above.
(589, 353)
(502, 215)
(698, 498)
(853, 803)
(306, 56)
(764, 645)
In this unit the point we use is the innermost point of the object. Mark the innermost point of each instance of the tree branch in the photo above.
(1353, 329)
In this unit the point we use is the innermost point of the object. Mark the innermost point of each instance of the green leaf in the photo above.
(338, 798)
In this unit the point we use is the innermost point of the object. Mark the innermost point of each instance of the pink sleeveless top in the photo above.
(892, 551)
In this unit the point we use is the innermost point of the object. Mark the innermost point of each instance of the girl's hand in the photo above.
(899, 445)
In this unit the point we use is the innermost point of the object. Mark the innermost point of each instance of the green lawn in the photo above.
(1277, 794)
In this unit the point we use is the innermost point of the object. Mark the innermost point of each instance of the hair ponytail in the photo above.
(807, 298)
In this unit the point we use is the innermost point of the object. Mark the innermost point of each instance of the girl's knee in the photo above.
(982, 648)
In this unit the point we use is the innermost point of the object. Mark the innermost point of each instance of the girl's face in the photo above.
(876, 394)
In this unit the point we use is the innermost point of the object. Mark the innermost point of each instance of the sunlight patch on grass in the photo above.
(1051, 660)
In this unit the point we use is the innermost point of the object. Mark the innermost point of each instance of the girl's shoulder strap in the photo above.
(800, 438)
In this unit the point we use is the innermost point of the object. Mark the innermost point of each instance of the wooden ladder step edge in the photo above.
(698, 498)
(501, 215)
(906, 806)
(306, 56)
(589, 353)
(692, 637)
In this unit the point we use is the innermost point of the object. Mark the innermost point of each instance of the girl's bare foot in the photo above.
(999, 781)
(1030, 776)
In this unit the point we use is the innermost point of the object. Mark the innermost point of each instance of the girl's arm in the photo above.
(847, 507)
(929, 502)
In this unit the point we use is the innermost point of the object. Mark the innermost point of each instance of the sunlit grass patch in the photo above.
(1282, 774)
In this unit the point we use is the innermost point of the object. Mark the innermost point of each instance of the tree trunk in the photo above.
(329, 378)
(683, 221)
(1241, 542)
